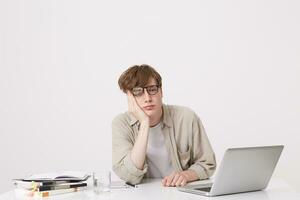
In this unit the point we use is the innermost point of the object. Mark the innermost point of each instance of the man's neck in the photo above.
(155, 120)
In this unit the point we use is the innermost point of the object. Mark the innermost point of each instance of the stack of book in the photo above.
(44, 185)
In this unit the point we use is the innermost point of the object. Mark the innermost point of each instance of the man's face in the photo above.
(150, 103)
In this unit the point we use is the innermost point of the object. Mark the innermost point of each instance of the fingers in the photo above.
(168, 179)
(131, 102)
(174, 179)
(164, 181)
(129, 94)
(179, 181)
(135, 109)
(131, 99)
(184, 182)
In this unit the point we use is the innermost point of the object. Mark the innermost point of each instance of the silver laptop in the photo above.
(241, 170)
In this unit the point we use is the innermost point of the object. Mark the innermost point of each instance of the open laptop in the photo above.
(241, 170)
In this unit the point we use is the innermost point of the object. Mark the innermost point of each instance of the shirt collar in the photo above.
(166, 118)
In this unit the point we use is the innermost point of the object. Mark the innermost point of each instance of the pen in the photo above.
(135, 186)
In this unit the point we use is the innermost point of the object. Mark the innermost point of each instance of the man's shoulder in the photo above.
(121, 118)
(180, 111)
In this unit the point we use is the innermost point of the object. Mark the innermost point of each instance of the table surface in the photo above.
(151, 189)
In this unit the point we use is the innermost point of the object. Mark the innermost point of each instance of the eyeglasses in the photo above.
(151, 90)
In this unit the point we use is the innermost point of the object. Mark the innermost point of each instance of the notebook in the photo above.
(66, 175)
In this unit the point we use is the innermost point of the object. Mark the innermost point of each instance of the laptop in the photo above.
(241, 170)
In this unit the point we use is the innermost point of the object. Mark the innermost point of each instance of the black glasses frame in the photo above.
(148, 89)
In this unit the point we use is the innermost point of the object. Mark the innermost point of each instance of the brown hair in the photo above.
(138, 75)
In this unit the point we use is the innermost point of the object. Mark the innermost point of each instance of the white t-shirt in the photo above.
(158, 158)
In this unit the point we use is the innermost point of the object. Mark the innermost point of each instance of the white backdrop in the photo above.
(236, 63)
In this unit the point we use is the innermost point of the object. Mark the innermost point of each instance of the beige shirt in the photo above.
(185, 139)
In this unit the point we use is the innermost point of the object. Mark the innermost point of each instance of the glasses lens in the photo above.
(153, 89)
(137, 91)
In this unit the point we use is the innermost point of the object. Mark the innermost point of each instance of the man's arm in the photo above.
(203, 159)
(123, 139)
(128, 154)
(138, 152)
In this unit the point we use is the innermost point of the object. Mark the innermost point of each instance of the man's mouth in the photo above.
(150, 107)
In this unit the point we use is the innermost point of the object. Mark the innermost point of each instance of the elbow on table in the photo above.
(127, 176)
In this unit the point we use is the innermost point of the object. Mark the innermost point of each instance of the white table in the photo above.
(151, 189)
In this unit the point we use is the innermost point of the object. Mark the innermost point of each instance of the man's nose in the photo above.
(147, 96)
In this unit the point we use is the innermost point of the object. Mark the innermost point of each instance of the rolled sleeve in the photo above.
(200, 171)
(132, 169)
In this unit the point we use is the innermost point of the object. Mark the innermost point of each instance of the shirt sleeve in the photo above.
(122, 144)
(203, 158)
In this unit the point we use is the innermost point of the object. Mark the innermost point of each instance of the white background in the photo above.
(236, 63)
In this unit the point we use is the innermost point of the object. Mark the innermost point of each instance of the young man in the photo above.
(156, 140)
